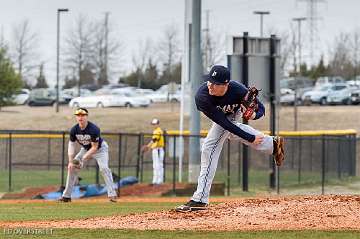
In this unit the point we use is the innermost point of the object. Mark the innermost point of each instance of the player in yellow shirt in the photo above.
(157, 146)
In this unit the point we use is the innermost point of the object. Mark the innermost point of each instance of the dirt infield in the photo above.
(272, 213)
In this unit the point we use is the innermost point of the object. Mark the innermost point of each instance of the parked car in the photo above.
(130, 99)
(99, 101)
(355, 97)
(41, 97)
(45, 97)
(159, 97)
(326, 80)
(175, 97)
(147, 93)
(339, 93)
(115, 86)
(298, 82)
(287, 96)
(91, 87)
(317, 95)
(69, 94)
(21, 97)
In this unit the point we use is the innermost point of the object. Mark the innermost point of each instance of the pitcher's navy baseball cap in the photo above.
(218, 75)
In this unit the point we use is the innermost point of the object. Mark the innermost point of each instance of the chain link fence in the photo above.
(39, 158)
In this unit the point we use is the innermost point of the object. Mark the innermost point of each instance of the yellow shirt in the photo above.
(157, 138)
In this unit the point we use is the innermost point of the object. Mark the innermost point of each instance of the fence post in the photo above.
(119, 155)
(228, 167)
(339, 138)
(354, 154)
(239, 163)
(6, 153)
(97, 176)
(141, 159)
(174, 166)
(164, 162)
(299, 155)
(10, 162)
(138, 157)
(62, 160)
(49, 153)
(323, 166)
(119, 165)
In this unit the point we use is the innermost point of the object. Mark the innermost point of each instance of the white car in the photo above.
(317, 95)
(130, 99)
(22, 97)
(99, 101)
(147, 93)
(159, 97)
(287, 96)
(175, 97)
(340, 94)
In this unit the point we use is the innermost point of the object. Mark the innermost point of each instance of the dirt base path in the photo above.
(272, 213)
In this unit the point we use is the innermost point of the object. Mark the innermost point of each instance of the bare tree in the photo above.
(79, 43)
(142, 57)
(288, 48)
(106, 51)
(169, 50)
(3, 43)
(355, 50)
(213, 48)
(24, 49)
(340, 56)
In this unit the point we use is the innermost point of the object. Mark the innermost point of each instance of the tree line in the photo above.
(92, 54)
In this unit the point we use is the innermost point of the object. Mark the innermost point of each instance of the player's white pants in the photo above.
(158, 165)
(102, 159)
(210, 154)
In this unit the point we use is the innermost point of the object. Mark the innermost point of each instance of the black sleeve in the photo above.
(95, 135)
(72, 134)
(220, 118)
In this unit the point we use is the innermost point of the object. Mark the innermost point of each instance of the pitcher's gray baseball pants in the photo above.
(211, 150)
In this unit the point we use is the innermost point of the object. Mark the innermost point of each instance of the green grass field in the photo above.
(258, 179)
(111, 233)
(52, 210)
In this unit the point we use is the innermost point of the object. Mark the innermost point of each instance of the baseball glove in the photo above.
(145, 148)
(250, 103)
(78, 163)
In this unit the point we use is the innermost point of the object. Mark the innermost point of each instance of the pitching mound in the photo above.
(275, 213)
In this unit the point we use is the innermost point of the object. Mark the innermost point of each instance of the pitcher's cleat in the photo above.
(64, 199)
(191, 206)
(278, 151)
(112, 199)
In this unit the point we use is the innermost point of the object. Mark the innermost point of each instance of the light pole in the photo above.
(298, 20)
(261, 13)
(57, 55)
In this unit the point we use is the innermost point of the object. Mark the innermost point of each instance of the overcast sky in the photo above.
(139, 19)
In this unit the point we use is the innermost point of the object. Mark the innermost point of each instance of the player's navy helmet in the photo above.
(218, 75)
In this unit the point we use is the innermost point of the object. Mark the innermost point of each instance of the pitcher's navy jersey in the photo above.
(84, 137)
(217, 108)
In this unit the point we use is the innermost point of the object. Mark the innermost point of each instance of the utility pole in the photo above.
(298, 20)
(106, 35)
(207, 41)
(196, 73)
(261, 13)
(58, 55)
